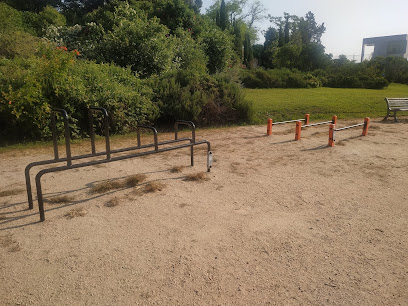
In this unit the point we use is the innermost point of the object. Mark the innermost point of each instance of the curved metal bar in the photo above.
(192, 125)
(184, 122)
(106, 124)
(156, 143)
(98, 162)
(67, 134)
(52, 161)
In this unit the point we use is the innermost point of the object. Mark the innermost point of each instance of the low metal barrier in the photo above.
(109, 158)
(299, 126)
(333, 130)
(270, 123)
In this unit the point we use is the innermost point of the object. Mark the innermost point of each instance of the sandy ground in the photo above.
(276, 222)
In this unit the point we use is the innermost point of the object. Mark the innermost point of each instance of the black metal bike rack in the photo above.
(109, 158)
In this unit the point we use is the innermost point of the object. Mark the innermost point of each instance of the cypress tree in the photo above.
(281, 40)
(223, 16)
(286, 29)
(248, 54)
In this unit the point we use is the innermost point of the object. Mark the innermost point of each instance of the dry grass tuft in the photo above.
(176, 169)
(197, 177)
(153, 187)
(182, 205)
(112, 202)
(11, 192)
(131, 181)
(59, 200)
(107, 186)
(134, 180)
(76, 212)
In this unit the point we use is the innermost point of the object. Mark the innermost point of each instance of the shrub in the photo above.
(132, 40)
(218, 47)
(278, 78)
(31, 87)
(10, 19)
(351, 75)
(206, 99)
(394, 69)
(37, 24)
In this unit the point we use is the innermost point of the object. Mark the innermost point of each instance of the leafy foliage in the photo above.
(161, 69)
(206, 99)
(279, 78)
(31, 87)
(346, 74)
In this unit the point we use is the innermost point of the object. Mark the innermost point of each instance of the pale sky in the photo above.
(347, 22)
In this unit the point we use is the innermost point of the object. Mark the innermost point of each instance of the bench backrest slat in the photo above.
(397, 102)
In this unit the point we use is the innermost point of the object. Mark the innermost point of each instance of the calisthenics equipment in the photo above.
(299, 126)
(270, 123)
(333, 130)
(109, 155)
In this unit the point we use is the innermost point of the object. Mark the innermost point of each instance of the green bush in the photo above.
(394, 69)
(133, 41)
(37, 24)
(10, 19)
(278, 78)
(218, 47)
(205, 99)
(346, 74)
(31, 87)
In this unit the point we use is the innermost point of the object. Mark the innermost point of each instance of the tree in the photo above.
(286, 31)
(271, 36)
(248, 55)
(239, 10)
(310, 31)
(238, 38)
(298, 43)
(32, 5)
(218, 47)
(281, 38)
(223, 23)
(195, 5)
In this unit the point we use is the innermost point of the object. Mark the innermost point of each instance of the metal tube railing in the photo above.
(319, 123)
(299, 126)
(108, 152)
(289, 121)
(93, 109)
(98, 162)
(52, 161)
(333, 130)
(156, 143)
(67, 134)
(192, 125)
(349, 127)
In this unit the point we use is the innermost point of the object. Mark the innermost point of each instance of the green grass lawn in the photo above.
(321, 103)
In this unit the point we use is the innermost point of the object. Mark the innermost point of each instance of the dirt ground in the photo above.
(276, 221)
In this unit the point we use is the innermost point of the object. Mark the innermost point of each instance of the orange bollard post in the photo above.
(298, 129)
(307, 116)
(269, 127)
(365, 126)
(334, 119)
(331, 135)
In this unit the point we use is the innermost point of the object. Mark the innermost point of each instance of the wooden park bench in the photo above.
(394, 105)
